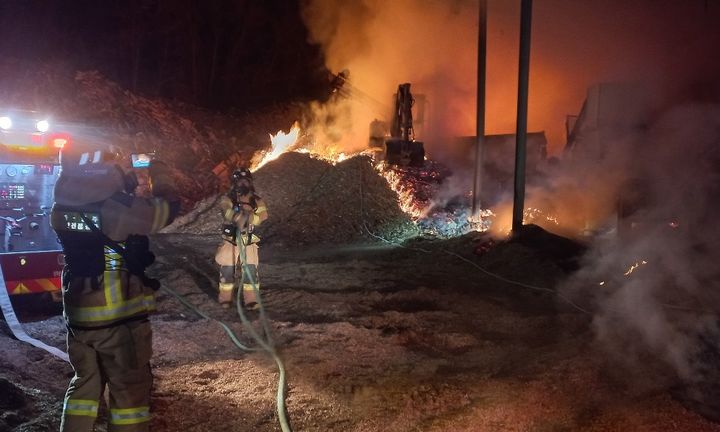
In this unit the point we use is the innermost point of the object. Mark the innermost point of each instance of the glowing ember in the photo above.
(530, 215)
(482, 221)
(406, 198)
(635, 267)
(281, 142)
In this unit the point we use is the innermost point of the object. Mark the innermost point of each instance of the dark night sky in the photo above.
(219, 54)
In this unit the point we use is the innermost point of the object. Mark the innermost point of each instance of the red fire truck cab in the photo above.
(30, 254)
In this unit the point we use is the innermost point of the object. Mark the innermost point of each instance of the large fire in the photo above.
(415, 187)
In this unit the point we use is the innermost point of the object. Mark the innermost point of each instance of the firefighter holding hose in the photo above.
(107, 297)
(242, 209)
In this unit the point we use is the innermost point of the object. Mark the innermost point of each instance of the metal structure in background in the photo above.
(522, 115)
(480, 120)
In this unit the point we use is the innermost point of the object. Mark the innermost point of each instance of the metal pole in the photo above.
(480, 120)
(522, 108)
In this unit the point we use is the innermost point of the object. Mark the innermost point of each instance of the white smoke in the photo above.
(654, 282)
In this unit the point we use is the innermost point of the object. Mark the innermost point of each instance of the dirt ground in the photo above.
(374, 338)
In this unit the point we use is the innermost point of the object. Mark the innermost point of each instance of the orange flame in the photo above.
(405, 197)
(281, 142)
(634, 267)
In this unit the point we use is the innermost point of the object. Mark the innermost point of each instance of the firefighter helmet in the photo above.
(88, 175)
(242, 173)
(83, 158)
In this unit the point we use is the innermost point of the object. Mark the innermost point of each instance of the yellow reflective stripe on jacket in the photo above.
(113, 260)
(252, 240)
(113, 287)
(112, 311)
(126, 416)
(162, 211)
(81, 407)
(111, 277)
(256, 219)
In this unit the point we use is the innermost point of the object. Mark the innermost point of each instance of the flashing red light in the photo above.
(59, 142)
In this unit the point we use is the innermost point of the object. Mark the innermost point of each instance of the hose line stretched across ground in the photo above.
(266, 344)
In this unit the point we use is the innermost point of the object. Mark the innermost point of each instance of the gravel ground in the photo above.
(374, 338)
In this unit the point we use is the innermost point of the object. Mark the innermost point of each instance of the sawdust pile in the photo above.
(312, 201)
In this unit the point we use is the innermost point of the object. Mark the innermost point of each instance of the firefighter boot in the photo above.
(225, 294)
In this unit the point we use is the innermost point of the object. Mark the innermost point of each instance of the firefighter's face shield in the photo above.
(242, 182)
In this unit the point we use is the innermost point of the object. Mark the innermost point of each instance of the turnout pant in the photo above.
(227, 256)
(118, 357)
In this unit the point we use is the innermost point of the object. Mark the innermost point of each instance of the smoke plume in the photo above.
(433, 45)
(654, 280)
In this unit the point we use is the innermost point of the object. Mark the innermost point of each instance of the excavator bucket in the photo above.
(404, 153)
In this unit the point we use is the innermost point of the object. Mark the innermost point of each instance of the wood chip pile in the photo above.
(312, 201)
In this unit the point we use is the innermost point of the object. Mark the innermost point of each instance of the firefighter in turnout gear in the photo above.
(103, 230)
(242, 210)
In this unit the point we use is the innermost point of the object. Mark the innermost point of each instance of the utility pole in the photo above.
(522, 115)
(480, 120)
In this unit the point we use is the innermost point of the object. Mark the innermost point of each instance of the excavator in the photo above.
(401, 148)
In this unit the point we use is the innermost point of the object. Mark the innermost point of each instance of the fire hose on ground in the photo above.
(265, 343)
(17, 329)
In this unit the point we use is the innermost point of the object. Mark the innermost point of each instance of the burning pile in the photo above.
(326, 197)
(415, 186)
(418, 191)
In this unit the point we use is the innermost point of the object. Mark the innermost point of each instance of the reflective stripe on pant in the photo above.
(227, 274)
(225, 292)
(252, 260)
(250, 282)
(119, 357)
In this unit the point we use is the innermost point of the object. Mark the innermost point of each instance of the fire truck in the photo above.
(30, 253)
